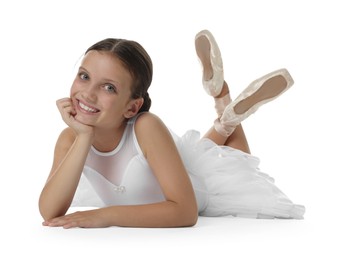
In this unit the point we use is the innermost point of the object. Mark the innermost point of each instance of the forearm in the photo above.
(163, 214)
(60, 188)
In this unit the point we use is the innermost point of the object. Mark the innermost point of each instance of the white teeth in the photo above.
(89, 109)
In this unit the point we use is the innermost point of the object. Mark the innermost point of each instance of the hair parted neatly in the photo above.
(136, 60)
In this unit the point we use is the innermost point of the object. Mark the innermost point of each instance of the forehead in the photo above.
(105, 64)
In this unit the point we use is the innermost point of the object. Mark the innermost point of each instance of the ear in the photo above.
(133, 107)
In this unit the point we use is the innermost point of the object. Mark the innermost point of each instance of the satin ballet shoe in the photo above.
(259, 92)
(221, 103)
(211, 60)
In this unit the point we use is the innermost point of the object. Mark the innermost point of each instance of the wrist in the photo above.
(87, 137)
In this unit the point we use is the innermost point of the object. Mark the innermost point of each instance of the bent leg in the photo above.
(236, 140)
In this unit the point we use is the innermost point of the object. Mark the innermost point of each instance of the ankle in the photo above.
(223, 129)
(222, 100)
(224, 91)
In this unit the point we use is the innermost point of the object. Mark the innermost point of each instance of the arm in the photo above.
(180, 207)
(69, 157)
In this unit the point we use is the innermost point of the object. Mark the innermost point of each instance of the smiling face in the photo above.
(101, 91)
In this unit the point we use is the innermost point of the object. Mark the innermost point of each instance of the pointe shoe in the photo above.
(259, 92)
(211, 60)
(221, 103)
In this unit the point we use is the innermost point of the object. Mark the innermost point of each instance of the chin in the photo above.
(83, 120)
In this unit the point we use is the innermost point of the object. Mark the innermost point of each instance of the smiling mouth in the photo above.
(87, 108)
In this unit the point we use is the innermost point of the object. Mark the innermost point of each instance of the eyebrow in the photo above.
(104, 79)
(82, 68)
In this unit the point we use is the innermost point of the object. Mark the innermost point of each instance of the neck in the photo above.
(108, 140)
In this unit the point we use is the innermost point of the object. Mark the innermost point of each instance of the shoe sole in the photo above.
(203, 52)
(269, 89)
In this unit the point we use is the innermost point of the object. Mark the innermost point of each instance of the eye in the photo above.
(110, 88)
(83, 76)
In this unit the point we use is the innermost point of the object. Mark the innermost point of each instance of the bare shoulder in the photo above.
(151, 131)
(66, 139)
(148, 121)
(62, 146)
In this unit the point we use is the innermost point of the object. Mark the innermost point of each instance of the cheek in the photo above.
(73, 89)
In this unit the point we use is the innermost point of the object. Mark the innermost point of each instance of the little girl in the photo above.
(120, 159)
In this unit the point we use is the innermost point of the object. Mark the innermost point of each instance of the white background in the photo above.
(294, 136)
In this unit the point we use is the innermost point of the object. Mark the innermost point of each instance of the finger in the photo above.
(71, 224)
(66, 223)
(69, 110)
(66, 108)
(62, 101)
(56, 223)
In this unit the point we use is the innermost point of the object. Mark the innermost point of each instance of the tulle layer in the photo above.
(232, 182)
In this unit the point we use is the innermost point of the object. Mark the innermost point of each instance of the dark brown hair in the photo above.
(136, 60)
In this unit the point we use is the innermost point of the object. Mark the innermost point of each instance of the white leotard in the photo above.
(226, 181)
(122, 176)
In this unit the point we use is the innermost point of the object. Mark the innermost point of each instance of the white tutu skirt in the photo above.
(228, 182)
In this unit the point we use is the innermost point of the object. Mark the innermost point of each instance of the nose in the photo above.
(90, 93)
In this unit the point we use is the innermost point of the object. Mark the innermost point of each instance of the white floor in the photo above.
(211, 238)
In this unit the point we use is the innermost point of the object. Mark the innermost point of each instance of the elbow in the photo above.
(192, 219)
(43, 209)
(189, 210)
(44, 212)
(190, 222)
(182, 215)
(189, 217)
(47, 212)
